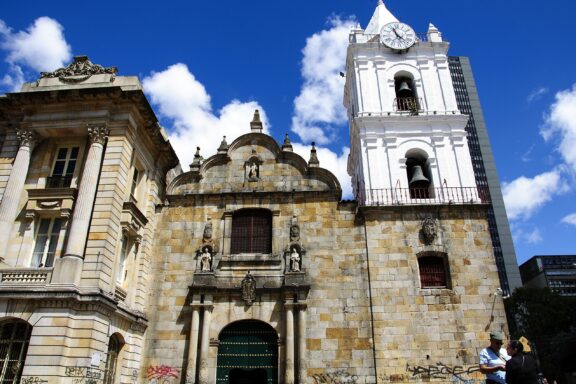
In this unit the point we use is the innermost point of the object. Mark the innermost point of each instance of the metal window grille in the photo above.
(14, 339)
(114, 347)
(432, 272)
(251, 231)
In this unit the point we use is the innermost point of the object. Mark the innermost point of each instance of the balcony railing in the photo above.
(58, 181)
(25, 276)
(423, 196)
(407, 104)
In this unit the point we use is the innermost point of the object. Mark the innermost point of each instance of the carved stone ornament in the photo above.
(252, 171)
(294, 230)
(79, 70)
(248, 287)
(27, 138)
(294, 260)
(429, 230)
(207, 235)
(97, 134)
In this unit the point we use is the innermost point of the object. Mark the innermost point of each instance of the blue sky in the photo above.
(207, 65)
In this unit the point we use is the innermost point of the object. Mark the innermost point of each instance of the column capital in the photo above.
(98, 133)
(27, 137)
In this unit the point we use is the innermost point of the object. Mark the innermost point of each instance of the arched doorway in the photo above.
(15, 336)
(248, 354)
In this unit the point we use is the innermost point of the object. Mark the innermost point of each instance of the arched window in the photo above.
(15, 336)
(406, 99)
(433, 270)
(419, 174)
(114, 346)
(251, 231)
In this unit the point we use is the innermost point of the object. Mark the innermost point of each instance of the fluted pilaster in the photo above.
(204, 345)
(193, 348)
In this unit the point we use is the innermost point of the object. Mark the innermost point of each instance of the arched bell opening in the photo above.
(406, 98)
(419, 175)
(247, 353)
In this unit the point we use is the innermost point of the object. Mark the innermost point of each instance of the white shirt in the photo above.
(491, 359)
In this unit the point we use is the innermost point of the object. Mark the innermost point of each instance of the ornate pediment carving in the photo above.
(79, 70)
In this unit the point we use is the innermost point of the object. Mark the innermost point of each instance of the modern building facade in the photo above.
(485, 171)
(249, 268)
(557, 272)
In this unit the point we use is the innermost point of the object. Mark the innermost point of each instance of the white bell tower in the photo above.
(408, 138)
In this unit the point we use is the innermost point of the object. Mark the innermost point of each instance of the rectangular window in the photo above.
(251, 231)
(121, 272)
(63, 169)
(46, 242)
(134, 187)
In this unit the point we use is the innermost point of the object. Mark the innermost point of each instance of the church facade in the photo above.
(117, 267)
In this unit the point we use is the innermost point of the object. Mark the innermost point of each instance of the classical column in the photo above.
(302, 343)
(68, 268)
(204, 344)
(15, 187)
(86, 193)
(289, 374)
(193, 347)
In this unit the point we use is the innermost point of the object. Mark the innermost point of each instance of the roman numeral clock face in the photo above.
(398, 36)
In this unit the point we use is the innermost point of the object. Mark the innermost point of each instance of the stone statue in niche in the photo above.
(429, 230)
(206, 260)
(294, 260)
(252, 170)
(248, 287)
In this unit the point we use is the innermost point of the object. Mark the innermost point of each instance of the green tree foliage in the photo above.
(548, 321)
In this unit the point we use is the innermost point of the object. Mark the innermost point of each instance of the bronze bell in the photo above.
(404, 90)
(418, 179)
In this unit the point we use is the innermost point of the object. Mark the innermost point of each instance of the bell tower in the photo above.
(408, 137)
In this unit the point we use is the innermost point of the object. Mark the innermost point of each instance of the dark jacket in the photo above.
(521, 369)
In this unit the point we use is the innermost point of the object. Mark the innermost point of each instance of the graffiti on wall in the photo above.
(84, 375)
(455, 373)
(161, 374)
(33, 380)
(414, 374)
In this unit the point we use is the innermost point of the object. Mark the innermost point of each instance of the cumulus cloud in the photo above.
(183, 100)
(524, 196)
(334, 162)
(318, 110)
(42, 47)
(570, 219)
(560, 124)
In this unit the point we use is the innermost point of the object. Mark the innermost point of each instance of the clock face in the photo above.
(397, 36)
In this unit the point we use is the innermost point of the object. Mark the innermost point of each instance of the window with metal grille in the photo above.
(114, 347)
(251, 231)
(433, 273)
(14, 339)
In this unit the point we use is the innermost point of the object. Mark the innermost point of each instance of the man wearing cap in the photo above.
(493, 359)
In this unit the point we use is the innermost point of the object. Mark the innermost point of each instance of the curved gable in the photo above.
(254, 162)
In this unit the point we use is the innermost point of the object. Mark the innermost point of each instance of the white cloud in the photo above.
(560, 123)
(181, 98)
(334, 162)
(529, 236)
(570, 219)
(537, 94)
(318, 110)
(42, 47)
(524, 196)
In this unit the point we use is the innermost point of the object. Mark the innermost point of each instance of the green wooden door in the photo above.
(248, 354)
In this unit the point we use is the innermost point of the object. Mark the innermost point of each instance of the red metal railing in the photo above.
(423, 196)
